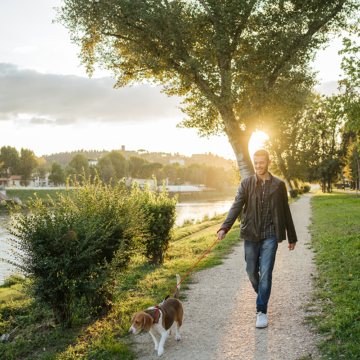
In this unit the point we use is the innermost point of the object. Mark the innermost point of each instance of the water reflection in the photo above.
(197, 210)
(5, 269)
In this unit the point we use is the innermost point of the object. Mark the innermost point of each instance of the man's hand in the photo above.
(221, 234)
(291, 246)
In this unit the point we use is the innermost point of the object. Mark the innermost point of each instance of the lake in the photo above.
(195, 210)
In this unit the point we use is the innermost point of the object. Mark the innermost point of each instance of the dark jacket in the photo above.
(248, 194)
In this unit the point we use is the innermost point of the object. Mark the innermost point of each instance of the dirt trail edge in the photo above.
(219, 312)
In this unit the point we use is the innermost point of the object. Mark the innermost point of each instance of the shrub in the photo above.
(189, 222)
(293, 193)
(300, 191)
(206, 218)
(73, 249)
(307, 188)
(12, 280)
(161, 216)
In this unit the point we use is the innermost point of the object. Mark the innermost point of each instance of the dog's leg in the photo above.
(162, 342)
(155, 340)
(177, 336)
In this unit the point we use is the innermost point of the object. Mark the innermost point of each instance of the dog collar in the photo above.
(156, 314)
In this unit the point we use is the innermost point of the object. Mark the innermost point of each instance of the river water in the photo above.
(194, 210)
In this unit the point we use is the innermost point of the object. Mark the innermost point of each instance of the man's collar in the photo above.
(258, 180)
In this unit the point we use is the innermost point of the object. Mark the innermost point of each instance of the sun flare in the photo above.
(256, 141)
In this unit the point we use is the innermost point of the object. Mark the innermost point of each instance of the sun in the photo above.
(256, 141)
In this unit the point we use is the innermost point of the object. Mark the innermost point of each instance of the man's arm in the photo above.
(234, 212)
(290, 228)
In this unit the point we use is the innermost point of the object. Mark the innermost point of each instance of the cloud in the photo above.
(328, 88)
(67, 99)
(24, 49)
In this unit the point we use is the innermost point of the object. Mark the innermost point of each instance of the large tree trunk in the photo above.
(243, 159)
(239, 140)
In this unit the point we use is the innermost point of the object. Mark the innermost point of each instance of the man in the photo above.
(265, 218)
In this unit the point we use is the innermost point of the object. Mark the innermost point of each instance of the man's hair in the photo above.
(262, 152)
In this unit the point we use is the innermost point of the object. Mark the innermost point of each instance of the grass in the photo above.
(336, 241)
(104, 336)
(26, 194)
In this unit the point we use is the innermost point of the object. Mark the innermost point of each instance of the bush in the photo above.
(293, 193)
(161, 216)
(12, 280)
(189, 222)
(72, 250)
(307, 188)
(300, 191)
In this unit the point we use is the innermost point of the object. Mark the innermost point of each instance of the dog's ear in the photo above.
(147, 322)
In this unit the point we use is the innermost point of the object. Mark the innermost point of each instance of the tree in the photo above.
(28, 163)
(42, 168)
(349, 97)
(57, 174)
(148, 170)
(80, 163)
(328, 121)
(119, 163)
(10, 159)
(70, 172)
(228, 59)
(292, 139)
(135, 163)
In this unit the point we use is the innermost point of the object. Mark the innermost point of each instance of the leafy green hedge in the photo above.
(75, 248)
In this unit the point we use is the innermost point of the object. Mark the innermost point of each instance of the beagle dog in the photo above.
(158, 320)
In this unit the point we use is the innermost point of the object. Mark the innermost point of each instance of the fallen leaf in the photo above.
(351, 275)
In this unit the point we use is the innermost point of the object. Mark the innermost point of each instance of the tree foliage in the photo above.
(10, 159)
(80, 163)
(27, 166)
(135, 163)
(229, 60)
(57, 174)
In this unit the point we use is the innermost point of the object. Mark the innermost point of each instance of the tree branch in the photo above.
(118, 36)
(213, 18)
(298, 42)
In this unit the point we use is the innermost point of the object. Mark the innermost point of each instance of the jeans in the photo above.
(261, 256)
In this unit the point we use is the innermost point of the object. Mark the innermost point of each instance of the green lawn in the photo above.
(336, 240)
(26, 194)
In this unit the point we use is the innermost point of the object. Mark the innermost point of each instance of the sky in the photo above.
(48, 103)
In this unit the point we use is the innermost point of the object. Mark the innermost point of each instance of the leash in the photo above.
(191, 269)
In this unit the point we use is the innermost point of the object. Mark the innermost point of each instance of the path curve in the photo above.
(219, 311)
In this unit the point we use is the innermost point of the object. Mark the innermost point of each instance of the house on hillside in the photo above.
(180, 161)
(93, 161)
(14, 181)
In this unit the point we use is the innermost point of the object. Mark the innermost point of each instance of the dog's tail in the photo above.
(176, 296)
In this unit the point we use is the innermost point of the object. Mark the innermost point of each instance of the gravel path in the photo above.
(219, 312)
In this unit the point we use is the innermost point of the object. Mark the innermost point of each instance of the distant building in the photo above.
(93, 161)
(128, 153)
(14, 181)
(180, 161)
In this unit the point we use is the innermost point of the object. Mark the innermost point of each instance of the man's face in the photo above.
(261, 164)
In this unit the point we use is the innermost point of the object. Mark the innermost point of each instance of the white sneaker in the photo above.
(261, 321)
